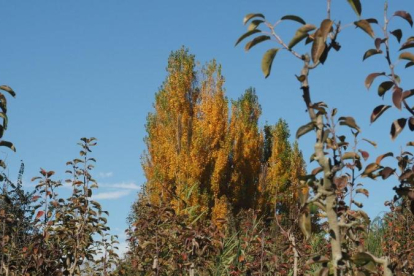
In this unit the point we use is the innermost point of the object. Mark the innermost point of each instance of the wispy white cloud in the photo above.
(125, 185)
(105, 174)
(111, 195)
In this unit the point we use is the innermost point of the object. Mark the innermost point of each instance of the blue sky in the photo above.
(91, 68)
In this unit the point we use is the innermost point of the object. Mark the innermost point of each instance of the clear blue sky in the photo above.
(91, 68)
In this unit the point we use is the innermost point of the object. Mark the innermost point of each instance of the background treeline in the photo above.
(219, 188)
(223, 196)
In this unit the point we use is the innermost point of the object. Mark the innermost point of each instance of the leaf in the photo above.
(254, 24)
(350, 155)
(250, 16)
(381, 157)
(267, 61)
(407, 56)
(358, 204)
(349, 121)
(304, 129)
(370, 169)
(409, 64)
(7, 144)
(378, 111)
(317, 170)
(396, 127)
(397, 97)
(300, 34)
(408, 93)
(294, 18)
(249, 33)
(411, 123)
(362, 191)
(356, 6)
(365, 26)
(371, 142)
(408, 44)
(398, 34)
(8, 89)
(405, 15)
(370, 53)
(386, 172)
(371, 77)
(384, 87)
(256, 41)
(5, 119)
(319, 45)
(39, 214)
(364, 154)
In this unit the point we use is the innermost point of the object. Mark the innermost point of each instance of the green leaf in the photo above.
(267, 61)
(398, 34)
(249, 33)
(5, 120)
(361, 258)
(370, 79)
(370, 53)
(409, 64)
(356, 6)
(250, 16)
(405, 15)
(384, 87)
(407, 56)
(304, 129)
(256, 41)
(301, 34)
(294, 18)
(371, 142)
(365, 26)
(7, 144)
(396, 127)
(8, 89)
(378, 111)
(254, 24)
(349, 121)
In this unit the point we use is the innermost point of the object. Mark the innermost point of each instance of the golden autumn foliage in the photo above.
(201, 158)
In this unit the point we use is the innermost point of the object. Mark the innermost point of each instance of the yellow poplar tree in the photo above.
(245, 145)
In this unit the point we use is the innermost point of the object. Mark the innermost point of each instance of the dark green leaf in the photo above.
(356, 6)
(249, 33)
(304, 129)
(256, 41)
(300, 34)
(294, 18)
(384, 87)
(411, 123)
(370, 53)
(398, 34)
(5, 119)
(267, 61)
(409, 64)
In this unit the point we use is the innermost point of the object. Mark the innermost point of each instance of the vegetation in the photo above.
(225, 196)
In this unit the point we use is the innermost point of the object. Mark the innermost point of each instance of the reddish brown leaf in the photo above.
(397, 97)
(386, 172)
(405, 15)
(370, 79)
(364, 154)
(39, 214)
